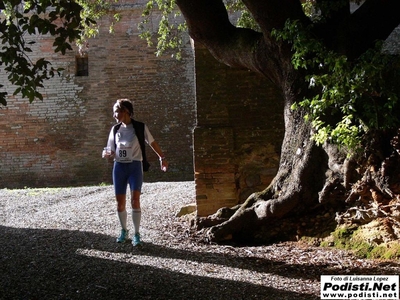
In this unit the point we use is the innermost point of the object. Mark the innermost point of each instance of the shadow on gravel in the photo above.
(47, 264)
(44, 264)
(263, 265)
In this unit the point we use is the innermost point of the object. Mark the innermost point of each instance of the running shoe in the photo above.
(122, 237)
(136, 240)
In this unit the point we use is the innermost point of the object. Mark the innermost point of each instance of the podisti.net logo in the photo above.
(359, 287)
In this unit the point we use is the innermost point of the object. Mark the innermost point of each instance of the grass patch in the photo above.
(386, 251)
(35, 191)
(355, 239)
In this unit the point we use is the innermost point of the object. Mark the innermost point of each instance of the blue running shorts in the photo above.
(124, 173)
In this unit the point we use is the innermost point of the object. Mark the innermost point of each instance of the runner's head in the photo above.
(125, 104)
(123, 109)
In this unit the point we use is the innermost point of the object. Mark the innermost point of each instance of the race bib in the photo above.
(124, 153)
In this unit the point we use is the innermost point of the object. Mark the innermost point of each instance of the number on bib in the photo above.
(122, 153)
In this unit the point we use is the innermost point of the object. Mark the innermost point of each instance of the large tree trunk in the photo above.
(306, 173)
(295, 188)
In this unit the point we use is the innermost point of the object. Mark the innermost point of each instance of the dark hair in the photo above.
(125, 104)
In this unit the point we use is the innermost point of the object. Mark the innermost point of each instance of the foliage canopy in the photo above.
(20, 21)
(348, 98)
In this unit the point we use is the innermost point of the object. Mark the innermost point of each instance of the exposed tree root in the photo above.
(376, 196)
(249, 217)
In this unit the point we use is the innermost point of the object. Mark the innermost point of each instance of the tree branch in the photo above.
(334, 10)
(373, 21)
(333, 30)
(209, 25)
(207, 19)
(272, 14)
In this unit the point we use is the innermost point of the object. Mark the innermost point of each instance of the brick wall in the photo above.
(58, 141)
(238, 134)
(236, 117)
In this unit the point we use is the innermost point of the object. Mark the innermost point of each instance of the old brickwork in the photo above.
(58, 142)
(238, 134)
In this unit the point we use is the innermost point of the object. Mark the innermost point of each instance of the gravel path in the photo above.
(60, 244)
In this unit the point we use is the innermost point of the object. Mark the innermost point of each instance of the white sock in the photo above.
(136, 216)
(122, 216)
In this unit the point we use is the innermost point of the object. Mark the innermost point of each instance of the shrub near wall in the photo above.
(58, 141)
